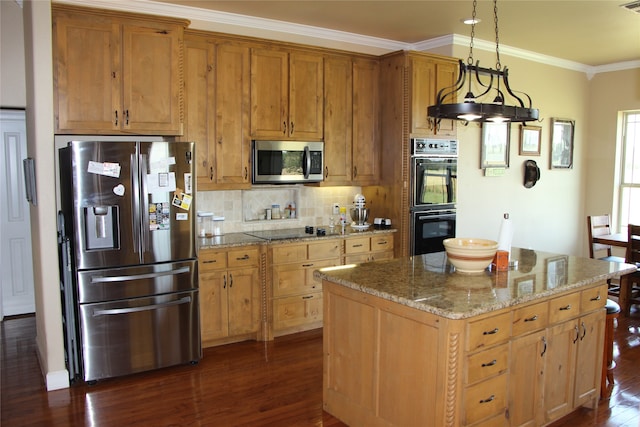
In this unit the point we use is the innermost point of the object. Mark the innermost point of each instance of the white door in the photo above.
(15, 227)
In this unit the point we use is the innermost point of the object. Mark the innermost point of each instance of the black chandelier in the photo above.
(489, 81)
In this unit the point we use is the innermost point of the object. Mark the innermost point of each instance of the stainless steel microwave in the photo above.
(284, 162)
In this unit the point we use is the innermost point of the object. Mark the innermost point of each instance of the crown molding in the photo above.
(212, 16)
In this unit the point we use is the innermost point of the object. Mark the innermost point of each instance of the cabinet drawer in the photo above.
(289, 279)
(486, 332)
(379, 256)
(485, 399)
(593, 299)
(324, 250)
(382, 243)
(356, 259)
(289, 253)
(487, 363)
(211, 260)
(248, 257)
(357, 245)
(529, 319)
(564, 308)
(297, 311)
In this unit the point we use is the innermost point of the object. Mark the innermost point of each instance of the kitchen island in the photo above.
(411, 342)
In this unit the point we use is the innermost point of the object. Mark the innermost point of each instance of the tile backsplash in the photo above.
(243, 209)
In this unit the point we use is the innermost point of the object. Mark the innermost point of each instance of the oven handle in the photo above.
(102, 279)
(183, 300)
(437, 214)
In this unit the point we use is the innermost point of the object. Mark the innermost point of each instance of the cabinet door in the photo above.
(87, 74)
(199, 106)
(214, 315)
(366, 161)
(423, 89)
(232, 116)
(337, 120)
(559, 369)
(244, 301)
(589, 358)
(152, 79)
(305, 96)
(446, 75)
(525, 379)
(269, 93)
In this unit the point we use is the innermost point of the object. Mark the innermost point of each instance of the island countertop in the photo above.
(430, 283)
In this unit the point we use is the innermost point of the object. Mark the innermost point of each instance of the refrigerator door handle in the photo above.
(183, 300)
(102, 279)
(144, 198)
(135, 203)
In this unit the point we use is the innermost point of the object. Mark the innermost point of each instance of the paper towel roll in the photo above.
(505, 235)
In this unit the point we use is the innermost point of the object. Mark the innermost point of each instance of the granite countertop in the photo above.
(429, 283)
(289, 235)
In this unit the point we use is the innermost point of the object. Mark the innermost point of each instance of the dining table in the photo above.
(619, 240)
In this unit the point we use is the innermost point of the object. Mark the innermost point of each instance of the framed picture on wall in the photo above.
(530, 137)
(562, 143)
(495, 145)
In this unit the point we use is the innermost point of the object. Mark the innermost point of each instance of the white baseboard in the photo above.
(57, 380)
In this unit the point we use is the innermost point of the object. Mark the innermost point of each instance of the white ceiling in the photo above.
(592, 33)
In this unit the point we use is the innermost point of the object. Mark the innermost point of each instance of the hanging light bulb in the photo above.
(506, 105)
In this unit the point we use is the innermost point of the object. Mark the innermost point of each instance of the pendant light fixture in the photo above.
(497, 102)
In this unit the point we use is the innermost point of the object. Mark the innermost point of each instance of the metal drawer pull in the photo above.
(307, 297)
(211, 261)
(531, 319)
(493, 362)
(596, 298)
(109, 279)
(307, 265)
(113, 311)
(489, 399)
(566, 307)
(495, 331)
(384, 242)
(357, 246)
(243, 258)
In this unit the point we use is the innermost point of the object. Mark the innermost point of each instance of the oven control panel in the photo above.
(434, 147)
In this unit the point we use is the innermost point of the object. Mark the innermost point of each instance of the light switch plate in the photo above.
(335, 209)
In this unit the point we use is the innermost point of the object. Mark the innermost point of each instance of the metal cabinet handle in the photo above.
(230, 280)
(357, 246)
(488, 399)
(584, 331)
(577, 334)
(246, 172)
(291, 131)
(492, 363)
(307, 297)
(596, 298)
(326, 171)
(224, 282)
(284, 127)
(355, 171)
(211, 173)
(307, 265)
(495, 331)
(532, 319)
(566, 307)
(243, 258)
(116, 117)
(544, 349)
(210, 261)
(382, 242)
(126, 117)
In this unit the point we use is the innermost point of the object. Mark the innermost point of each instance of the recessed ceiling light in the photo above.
(470, 21)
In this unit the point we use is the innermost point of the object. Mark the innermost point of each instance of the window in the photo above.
(629, 189)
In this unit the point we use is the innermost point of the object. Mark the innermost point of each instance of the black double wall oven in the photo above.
(434, 187)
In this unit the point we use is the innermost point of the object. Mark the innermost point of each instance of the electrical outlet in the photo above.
(335, 209)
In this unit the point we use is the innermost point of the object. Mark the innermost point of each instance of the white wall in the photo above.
(12, 82)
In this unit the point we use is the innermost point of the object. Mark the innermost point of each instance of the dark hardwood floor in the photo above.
(247, 384)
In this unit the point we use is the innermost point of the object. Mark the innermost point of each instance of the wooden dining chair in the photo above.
(633, 257)
(600, 225)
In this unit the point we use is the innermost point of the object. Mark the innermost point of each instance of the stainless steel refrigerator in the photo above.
(130, 296)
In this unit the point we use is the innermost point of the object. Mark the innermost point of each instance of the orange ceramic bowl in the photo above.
(469, 255)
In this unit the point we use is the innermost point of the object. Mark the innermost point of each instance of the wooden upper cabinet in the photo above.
(366, 123)
(286, 94)
(217, 111)
(427, 77)
(233, 143)
(115, 75)
(338, 110)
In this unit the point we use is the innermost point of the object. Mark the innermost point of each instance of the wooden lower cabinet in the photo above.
(230, 295)
(366, 249)
(296, 294)
(387, 364)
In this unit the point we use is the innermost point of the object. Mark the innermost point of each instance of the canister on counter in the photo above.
(205, 224)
